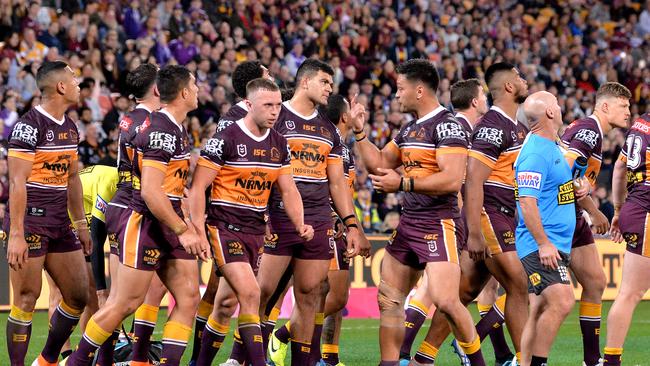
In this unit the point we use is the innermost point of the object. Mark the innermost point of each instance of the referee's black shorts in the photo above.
(540, 277)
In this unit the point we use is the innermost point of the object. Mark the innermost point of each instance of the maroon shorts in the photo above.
(634, 223)
(230, 246)
(145, 242)
(340, 262)
(498, 230)
(418, 242)
(582, 235)
(114, 227)
(288, 243)
(42, 240)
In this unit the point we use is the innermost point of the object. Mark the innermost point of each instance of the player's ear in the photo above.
(248, 103)
(156, 93)
(60, 87)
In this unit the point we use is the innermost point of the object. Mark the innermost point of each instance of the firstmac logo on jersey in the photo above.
(450, 130)
(489, 134)
(589, 137)
(25, 133)
(214, 147)
(162, 141)
(529, 180)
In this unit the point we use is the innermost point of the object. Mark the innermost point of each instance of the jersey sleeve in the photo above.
(488, 142)
(159, 148)
(450, 138)
(532, 170)
(23, 140)
(335, 155)
(285, 156)
(580, 141)
(213, 155)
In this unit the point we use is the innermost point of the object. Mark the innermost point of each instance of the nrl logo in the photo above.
(241, 150)
(290, 125)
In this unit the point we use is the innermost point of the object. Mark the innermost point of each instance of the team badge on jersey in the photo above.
(290, 125)
(241, 150)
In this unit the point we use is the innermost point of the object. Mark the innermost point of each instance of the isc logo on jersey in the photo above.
(529, 180)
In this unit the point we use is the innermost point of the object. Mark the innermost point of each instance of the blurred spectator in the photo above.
(389, 204)
(391, 221)
(109, 147)
(8, 114)
(90, 152)
(603, 202)
(366, 211)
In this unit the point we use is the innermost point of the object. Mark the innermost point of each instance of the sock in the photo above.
(426, 353)
(473, 351)
(493, 318)
(63, 321)
(284, 333)
(107, 350)
(238, 351)
(269, 325)
(539, 361)
(174, 340)
(331, 354)
(416, 314)
(300, 353)
(251, 336)
(590, 327)
(315, 338)
(94, 337)
(212, 339)
(497, 337)
(144, 323)
(613, 356)
(19, 330)
(205, 308)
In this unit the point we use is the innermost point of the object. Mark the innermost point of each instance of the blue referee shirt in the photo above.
(542, 172)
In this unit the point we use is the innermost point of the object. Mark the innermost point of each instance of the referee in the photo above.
(545, 202)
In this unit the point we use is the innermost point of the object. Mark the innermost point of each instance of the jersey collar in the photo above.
(600, 128)
(171, 118)
(499, 110)
(306, 118)
(42, 111)
(463, 116)
(142, 106)
(250, 134)
(431, 114)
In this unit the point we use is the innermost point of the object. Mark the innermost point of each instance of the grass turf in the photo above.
(359, 343)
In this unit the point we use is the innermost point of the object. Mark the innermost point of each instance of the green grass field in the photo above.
(359, 345)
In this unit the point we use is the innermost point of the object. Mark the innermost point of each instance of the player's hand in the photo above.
(581, 187)
(17, 251)
(306, 232)
(615, 230)
(200, 231)
(84, 237)
(339, 227)
(387, 180)
(357, 114)
(599, 223)
(191, 242)
(477, 247)
(549, 255)
(268, 236)
(357, 243)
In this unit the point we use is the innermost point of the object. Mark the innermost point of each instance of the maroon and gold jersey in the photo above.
(348, 167)
(234, 114)
(496, 142)
(584, 137)
(161, 143)
(129, 125)
(636, 154)
(51, 146)
(315, 143)
(247, 166)
(419, 144)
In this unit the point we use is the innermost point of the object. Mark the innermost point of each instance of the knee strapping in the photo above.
(391, 305)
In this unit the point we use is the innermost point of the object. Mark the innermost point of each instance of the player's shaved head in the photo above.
(498, 74)
(536, 107)
(258, 84)
(49, 75)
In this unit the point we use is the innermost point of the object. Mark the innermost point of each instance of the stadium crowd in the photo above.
(567, 48)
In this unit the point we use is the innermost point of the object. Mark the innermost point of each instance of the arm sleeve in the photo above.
(213, 155)
(488, 143)
(450, 138)
(159, 148)
(531, 172)
(98, 235)
(580, 141)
